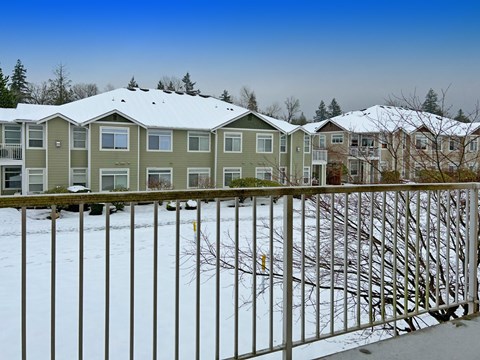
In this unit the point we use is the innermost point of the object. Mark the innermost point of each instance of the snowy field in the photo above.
(38, 287)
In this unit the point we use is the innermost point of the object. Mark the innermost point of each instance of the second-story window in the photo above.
(35, 136)
(421, 141)
(453, 144)
(367, 141)
(264, 143)
(337, 139)
(79, 135)
(473, 146)
(198, 141)
(114, 138)
(306, 143)
(283, 143)
(12, 134)
(233, 142)
(159, 140)
(322, 142)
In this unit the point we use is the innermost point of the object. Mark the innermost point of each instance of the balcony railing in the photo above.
(314, 262)
(11, 151)
(364, 152)
(319, 156)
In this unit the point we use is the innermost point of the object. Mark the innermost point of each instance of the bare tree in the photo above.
(292, 106)
(40, 93)
(82, 90)
(273, 110)
(248, 99)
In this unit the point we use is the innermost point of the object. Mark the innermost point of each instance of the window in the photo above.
(158, 179)
(230, 174)
(264, 143)
(282, 176)
(36, 179)
(420, 141)
(198, 141)
(354, 168)
(114, 138)
(12, 178)
(453, 144)
(437, 143)
(283, 143)
(354, 140)
(384, 140)
(337, 139)
(306, 175)
(199, 178)
(233, 142)
(35, 136)
(79, 176)
(263, 173)
(79, 135)
(12, 134)
(367, 141)
(111, 179)
(159, 140)
(306, 144)
(473, 146)
(322, 142)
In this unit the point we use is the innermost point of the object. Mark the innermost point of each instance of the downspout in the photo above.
(89, 157)
(291, 158)
(138, 158)
(215, 159)
(24, 163)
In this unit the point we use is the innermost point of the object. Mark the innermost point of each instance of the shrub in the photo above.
(390, 177)
(119, 205)
(96, 209)
(58, 190)
(252, 182)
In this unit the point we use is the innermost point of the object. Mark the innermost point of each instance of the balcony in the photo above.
(319, 157)
(364, 152)
(10, 152)
(279, 273)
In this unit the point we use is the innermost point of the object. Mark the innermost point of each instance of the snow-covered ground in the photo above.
(38, 287)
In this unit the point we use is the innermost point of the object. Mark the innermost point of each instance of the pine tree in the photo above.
(171, 86)
(252, 102)
(334, 109)
(132, 84)
(60, 86)
(160, 85)
(19, 86)
(226, 97)
(462, 117)
(301, 120)
(188, 84)
(430, 104)
(321, 113)
(7, 98)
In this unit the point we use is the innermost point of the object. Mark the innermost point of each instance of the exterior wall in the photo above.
(250, 122)
(58, 166)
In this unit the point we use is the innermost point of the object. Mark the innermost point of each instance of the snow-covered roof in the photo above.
(380, 118)
(313, 126)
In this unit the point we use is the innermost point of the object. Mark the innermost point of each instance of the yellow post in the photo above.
(195, 226)
(264, 260)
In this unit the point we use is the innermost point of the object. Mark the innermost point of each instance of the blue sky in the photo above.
(360, 52)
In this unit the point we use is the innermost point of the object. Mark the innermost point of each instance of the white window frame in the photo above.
(79, 129)
(283, 143)
(354, 168)
(159, 133)
(307, 144)
(307, 171)
(421, 142)
(453, 144)
(12, 128)
(190, 171)
(282, 175)
(473, 145)
(79, 169)
(102, 174)
(231, 170)
(263, 170)
(160, 171)
(31, 172)
(4, 178)
(192, 134)
(336, 139)
(233, 136)
(264, 138)
(31, 127)
(322, 139)
(115, 131)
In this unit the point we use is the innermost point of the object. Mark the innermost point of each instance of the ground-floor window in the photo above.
(354, 167)
(306, 175)
(230, 174)
(264, 173)
(282, 175)
(198, 178)
(111, 179)
(12, 178)
(79, 176)
(36, 180)
(159, 178)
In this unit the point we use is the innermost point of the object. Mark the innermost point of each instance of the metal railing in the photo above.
(336, 259)
(319, 156)
(364, 152)
(11, 151)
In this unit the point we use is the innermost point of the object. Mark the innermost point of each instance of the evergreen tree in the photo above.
(60, 86)
(252, 102)
(7, 98)
(226, 97)
(334, 109)
(132, 84)
(430, 104)
(160, 85)
(19, 86)
(188, 84)
(171, 86)
(321, 113)
(462, 117)
(301, 120)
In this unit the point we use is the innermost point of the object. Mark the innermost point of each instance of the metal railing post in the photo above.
(472, 252)
(287, 276)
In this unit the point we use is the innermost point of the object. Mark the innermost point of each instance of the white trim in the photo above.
(215, 165)
(199, 132)
(89, 156)
(114, 127)
(46, 155)
(27, 180)
(3, 168)
(337, 134)
(191, 170)
(161, 169)
(256, 144)
(100, 173)
(309, 175)
(159, 150)
(78, 168)
(72, 138)
(280, 143)
(305, 136)
(138, 158)
(232, 169)
(114, 123)
(266, 169)
(273, 131)
(236, 134)
(43, 137)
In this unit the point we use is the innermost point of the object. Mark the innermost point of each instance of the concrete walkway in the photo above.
(458, 339)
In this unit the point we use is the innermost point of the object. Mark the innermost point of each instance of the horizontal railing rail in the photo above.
(319, 155)
(11, 151)
(364, 151)
(326, 261)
